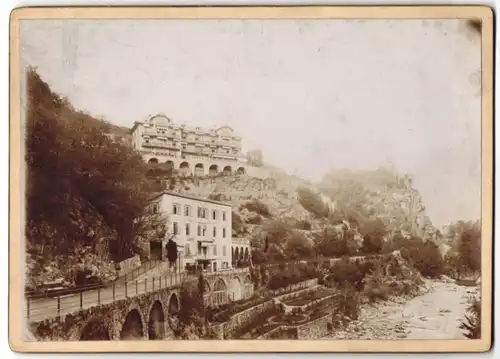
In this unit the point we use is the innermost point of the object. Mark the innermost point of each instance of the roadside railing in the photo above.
(135, 273)
(76, 299)
(68, 302)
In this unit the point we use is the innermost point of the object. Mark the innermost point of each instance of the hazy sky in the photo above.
(311, 94)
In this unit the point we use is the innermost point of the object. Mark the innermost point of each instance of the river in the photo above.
(436, 314)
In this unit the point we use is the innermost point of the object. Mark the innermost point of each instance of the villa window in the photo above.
(199, 230)
(214, 232)
(176, 228)
(187, 210)
(204, 231)
(155, 208)
(214, 214)
(224, 215)
(223, 233)
(188, 250)
(188, 229)
(200, 212)
(215, 250)
(224, 251)
(177, 208)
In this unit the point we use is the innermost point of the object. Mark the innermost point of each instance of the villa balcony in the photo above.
(161, 144)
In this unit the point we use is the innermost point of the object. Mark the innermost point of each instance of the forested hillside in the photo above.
(84, 188)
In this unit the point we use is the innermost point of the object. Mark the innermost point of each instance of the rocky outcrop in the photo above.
(383, 194)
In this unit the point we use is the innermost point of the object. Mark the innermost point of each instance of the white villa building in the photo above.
(201, 229)
(191, 150)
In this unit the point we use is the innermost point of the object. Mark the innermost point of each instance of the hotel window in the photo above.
(214, 214)
(177, 208)
(176, 228)
(200, 212)
(224, 215)
(223, 233)
(204, 231)
(214, 232)
(199, 230)
(188, 230)
(187, 210)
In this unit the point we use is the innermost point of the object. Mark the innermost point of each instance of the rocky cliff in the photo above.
(383, 194)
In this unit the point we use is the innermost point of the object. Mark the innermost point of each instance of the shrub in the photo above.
(303, 224)
(258, 207)
(289, 276)
(254, 219)
(374, 288)
(216, 197)
(258, 256)
(298, 246)
(312, 202)
(472, 322)
(373, 232)
(372, 243)
(348, 304)
(346, 271)
(191, 315)
(237, 223)
(424, 256)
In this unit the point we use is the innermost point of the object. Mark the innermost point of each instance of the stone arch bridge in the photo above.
(142, 311)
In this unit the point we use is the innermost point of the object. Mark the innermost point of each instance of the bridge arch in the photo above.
(173, 304)
(169, 165)
(227, 170)
(213, 170)
(206, 286)
(219, 293)
(156, 322)
(153, 161)
(235, 290)
(95, 329)
(133, 326)
(199, 169)
(184, 168)
(241, 170)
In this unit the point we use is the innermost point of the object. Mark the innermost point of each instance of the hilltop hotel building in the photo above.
(202, 230)
(191, 150)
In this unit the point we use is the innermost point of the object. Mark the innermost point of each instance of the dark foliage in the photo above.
(172, 252)
(313, 203)
(78, 178)
(258, 207)
(424, 256)
(472, 321)
(305, 225)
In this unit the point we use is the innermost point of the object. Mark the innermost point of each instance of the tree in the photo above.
(424, 256)
(312, 202)
(172, 254)
(469, 250)
(298, 246)
(255, 158)
(79, 180)
(373, 233)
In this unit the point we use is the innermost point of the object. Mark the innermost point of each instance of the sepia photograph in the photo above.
(256, 179)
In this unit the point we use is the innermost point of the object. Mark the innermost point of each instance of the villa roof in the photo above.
(159, 194)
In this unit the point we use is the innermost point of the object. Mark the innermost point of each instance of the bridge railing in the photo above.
(69, 302)
(129, 276)
(38, 309)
